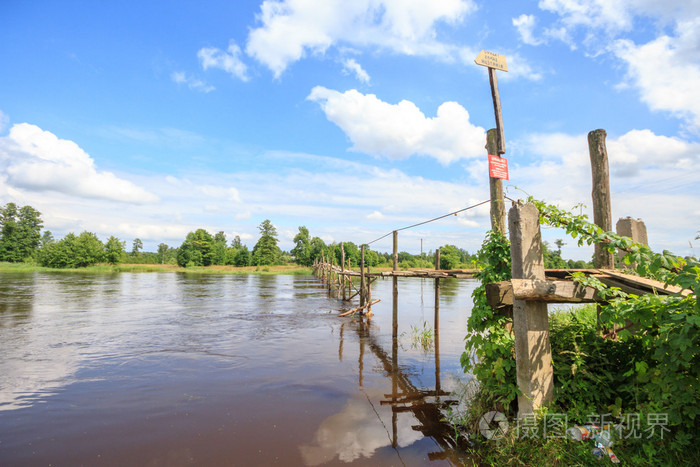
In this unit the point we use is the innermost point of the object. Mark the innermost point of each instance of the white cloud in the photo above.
(615, 16)
(181, 77)
(227, 60)
(351, 66)
(4, 121)
(651, 177)
(666, 71)
(37, 160)
(375, 215)
(525, 24)
(398, 131)
(291, 29)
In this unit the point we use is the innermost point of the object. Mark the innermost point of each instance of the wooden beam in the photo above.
(552, 291)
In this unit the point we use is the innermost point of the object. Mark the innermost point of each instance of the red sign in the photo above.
(498, 167)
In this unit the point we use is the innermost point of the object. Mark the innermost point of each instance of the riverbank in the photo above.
(291, 269)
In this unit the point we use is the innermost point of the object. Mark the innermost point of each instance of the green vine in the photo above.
(648, 364)
(489, 352)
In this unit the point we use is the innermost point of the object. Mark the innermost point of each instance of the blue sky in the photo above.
(153, 119)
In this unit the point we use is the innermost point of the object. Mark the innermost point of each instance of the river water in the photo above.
(170, 369)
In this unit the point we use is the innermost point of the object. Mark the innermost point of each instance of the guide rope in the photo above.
(428, 221)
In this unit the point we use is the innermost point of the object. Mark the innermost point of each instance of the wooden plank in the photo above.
(645, 283)
(499, 294)
(552, 291)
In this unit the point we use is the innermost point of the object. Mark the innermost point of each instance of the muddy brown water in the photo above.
(170, 369)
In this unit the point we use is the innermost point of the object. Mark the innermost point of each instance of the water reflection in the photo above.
(135, 366)
(360, 429)
(373, 419)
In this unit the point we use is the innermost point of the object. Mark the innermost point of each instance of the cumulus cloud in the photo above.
(228, 60)
(398, 131)
(525, 24)
(291, 29)
(350, 65)
(615, 16)
(666, 71)
(37, 160)
(651, 177)
(191, 82)
(4, 121)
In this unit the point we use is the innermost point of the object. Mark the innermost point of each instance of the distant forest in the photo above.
(22, 240)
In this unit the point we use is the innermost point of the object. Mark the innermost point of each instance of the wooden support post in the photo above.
(498, 210)
(395, 255)
(349, 279)
(342, 268)
(331, 256)
(602, 215)
(501, 147)
(436, 324)
(533, 354)
(362, 276)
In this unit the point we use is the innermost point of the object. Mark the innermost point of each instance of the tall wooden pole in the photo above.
(602, 211)
(501, 139)
(498, 210)
(362, 276)
(342, 268)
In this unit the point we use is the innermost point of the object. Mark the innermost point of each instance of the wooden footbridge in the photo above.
(526, 296)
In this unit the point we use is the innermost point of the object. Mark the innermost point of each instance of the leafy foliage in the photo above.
(490, 350)
(196, 250)
(114, 250)
(645, 360)
(266, 252)
(72, 251)
(20, 232)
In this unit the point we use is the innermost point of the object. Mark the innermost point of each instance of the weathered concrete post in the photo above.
(533, 354)
(498, 209)
(602, 212)
(634, 229)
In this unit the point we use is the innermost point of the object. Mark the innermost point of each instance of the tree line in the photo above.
(21, 239)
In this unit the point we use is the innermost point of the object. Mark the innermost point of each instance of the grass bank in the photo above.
(107, 269)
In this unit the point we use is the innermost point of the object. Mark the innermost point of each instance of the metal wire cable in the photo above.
(428, 221)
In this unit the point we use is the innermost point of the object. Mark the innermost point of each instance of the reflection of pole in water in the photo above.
(394, 357)
(363, 335)
(436, 326)
(340, 347)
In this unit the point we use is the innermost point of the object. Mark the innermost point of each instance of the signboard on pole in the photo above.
(498, 167)
(491, 60)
